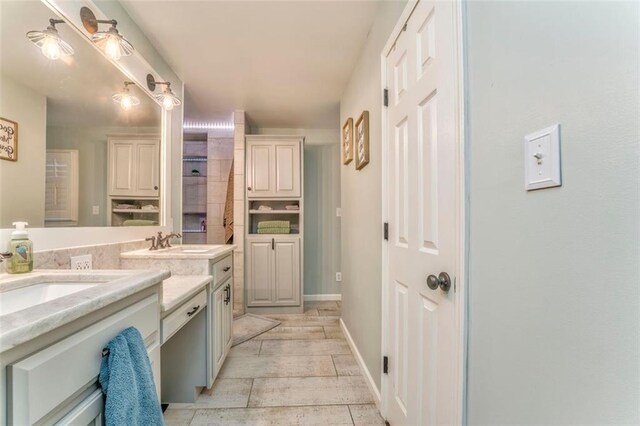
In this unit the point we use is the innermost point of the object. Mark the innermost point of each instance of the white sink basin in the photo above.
(25, 297)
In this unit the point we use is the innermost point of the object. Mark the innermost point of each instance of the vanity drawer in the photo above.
(40, 383)
(222, 269)
(174, 321)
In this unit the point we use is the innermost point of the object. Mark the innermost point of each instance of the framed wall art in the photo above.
(8, 140)
(347, 141)
(362, 140)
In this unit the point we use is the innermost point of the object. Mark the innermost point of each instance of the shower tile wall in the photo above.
(220, 158)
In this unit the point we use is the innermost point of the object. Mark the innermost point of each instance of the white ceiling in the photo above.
(286, 63)
(78, 88)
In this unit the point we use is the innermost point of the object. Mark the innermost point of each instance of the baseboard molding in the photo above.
(321, 297)
(367, 375)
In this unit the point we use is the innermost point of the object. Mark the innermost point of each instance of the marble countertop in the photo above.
(180, 288)
(199, 251)
(26, 324)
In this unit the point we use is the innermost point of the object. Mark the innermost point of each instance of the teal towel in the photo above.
(127, 381)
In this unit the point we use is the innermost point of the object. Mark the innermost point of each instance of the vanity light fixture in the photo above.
(125, 98)
(49, 41)
(111, 41)
(167, 98)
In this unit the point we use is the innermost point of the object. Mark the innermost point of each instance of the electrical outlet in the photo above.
(95, 210)
(339, 276)
(81, 262)
(338, 212)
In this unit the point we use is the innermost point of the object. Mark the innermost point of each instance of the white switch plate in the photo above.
(339, 276)
(542, 159)
(338, 212)
(95, 210)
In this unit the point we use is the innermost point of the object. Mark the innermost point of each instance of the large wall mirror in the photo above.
(79, 157)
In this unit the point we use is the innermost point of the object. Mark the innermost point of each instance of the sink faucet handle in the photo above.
(153, 243)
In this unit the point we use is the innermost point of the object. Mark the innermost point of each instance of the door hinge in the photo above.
(385, 97)
(386, 231)
(385, 364)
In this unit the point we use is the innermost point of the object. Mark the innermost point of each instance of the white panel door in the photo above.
(422, 209)
(260, 170)
(259, 271)
(286, 271)
(147, 174)
(121, 167)
(287, 169)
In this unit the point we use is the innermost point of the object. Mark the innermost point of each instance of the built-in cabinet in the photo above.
(133, 175)
(274, 170)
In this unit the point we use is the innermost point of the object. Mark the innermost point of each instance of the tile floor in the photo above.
(299, 373)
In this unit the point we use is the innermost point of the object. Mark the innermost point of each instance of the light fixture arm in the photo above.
(54, 22)
(152, 83)
(90, 21)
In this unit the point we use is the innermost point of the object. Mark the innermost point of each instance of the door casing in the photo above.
(462, 216)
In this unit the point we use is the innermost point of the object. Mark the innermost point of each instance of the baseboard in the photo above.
(367, 375)
(321, 297)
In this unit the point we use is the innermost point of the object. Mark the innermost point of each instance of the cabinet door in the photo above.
(89, 412)
(121, 167)
(228, 317)
(259, 272)
(260, 170)
(218, 328)
(287, 271)
(287, 169)
(146, 168)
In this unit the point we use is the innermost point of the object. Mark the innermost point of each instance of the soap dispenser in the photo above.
(21, 249)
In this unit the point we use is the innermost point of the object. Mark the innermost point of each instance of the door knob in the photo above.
(443, 281)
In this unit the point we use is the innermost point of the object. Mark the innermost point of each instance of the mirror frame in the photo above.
(135, 68)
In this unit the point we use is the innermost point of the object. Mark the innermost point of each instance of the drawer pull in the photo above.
(193, 311)
(226, 268)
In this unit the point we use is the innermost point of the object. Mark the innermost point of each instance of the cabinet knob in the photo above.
(155, 187)
(249, 188)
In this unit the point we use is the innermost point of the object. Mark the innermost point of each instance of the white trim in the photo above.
(462, 210)
(363, 367)
(321, 297)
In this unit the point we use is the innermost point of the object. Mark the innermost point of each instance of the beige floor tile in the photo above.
(325, 304)
(333, 333)
(310, 311)
(304, 320)
(249, 348)
(346, 365)
(305, 347)
(309, 391)
(292, 333)
(277, 416)
(178, 417)
(278, 366)
(226, 393)
(366, 415)
(329, 312)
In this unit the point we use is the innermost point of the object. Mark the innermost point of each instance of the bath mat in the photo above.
(249, 326)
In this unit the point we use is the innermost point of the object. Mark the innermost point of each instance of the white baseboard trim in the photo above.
(367, 375)
(321, 297)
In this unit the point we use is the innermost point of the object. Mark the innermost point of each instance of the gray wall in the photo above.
(554, 301)
(362, 199)
(22, 182)
(321, 226)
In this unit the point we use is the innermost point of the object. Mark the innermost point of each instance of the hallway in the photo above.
(301, 372)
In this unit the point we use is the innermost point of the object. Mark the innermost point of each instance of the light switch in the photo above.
(95, 209)
(542, 159)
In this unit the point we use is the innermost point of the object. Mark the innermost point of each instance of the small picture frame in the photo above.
(347, 141)
(8, 140)
(362, 140)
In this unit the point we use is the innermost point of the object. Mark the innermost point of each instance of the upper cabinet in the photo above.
(273, 167)
(134, 166)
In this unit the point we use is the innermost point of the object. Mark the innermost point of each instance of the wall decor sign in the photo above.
(8, 140)
(347, 141)
(362, 140)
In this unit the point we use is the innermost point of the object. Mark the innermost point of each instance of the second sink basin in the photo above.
(37, 293)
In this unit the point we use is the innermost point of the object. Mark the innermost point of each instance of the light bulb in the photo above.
(112, 48)
(126, 102)
(167, 102)
(51, 48)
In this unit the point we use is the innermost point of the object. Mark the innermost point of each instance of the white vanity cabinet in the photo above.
(221, 324)
(134, 166)
(58, 383)
(273, 266)
(273, 166)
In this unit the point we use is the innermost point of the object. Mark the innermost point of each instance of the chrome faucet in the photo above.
(164, 242)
